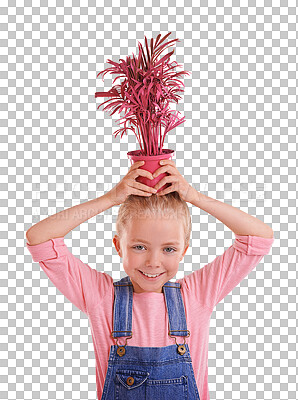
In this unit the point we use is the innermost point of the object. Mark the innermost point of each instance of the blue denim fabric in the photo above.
(149, 373)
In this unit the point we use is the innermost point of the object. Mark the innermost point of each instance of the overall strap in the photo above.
(122, 324)
(123, 290)
(175, 307)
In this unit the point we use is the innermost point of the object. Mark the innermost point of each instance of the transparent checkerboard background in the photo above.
(238, 145)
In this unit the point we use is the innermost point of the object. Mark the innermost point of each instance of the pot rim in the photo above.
(137, 154)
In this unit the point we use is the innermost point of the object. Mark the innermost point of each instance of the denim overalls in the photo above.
(149, 373)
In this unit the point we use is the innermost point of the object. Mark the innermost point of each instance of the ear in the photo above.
(185, 250)
(116, 242)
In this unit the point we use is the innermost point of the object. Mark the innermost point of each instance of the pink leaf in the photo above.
(149, 86)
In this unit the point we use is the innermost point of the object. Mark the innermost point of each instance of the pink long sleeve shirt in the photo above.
(93, 293)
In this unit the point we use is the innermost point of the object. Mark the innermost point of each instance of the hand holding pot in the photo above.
(178, 182)
(128, 185)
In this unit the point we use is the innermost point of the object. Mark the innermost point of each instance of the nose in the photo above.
(153, 260)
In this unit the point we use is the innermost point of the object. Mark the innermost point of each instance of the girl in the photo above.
(150, 334)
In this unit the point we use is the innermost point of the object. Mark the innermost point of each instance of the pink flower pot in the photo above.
(151, 165)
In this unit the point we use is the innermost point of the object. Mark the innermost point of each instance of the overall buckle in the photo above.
(181, 347)
(121, 348)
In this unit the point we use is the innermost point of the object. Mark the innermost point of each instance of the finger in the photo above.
(165, 180)
(142, 172)
(141, 186)
(136, 165)
(166, 191)
(165, 168)
(141, 193)
(168, 162)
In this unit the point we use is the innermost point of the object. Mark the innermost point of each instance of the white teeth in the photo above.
(150, 276)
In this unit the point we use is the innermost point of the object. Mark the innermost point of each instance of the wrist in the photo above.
(193, 195)
(109, 199)
(197, 198)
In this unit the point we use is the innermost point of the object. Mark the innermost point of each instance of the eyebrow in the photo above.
(164, 244)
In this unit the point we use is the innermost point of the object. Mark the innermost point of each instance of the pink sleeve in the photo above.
(210, 284)
(81, 285)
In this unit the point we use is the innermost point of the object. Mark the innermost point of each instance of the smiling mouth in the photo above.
(151, 275)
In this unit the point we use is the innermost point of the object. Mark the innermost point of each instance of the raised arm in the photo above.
(58, 225)
(238, 221)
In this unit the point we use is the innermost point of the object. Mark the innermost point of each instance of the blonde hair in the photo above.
(167, 206)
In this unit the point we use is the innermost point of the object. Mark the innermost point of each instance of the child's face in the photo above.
(154, 247)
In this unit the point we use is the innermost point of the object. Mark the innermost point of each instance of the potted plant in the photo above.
(149, 86)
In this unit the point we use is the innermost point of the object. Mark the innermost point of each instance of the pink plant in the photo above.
(144, 95)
